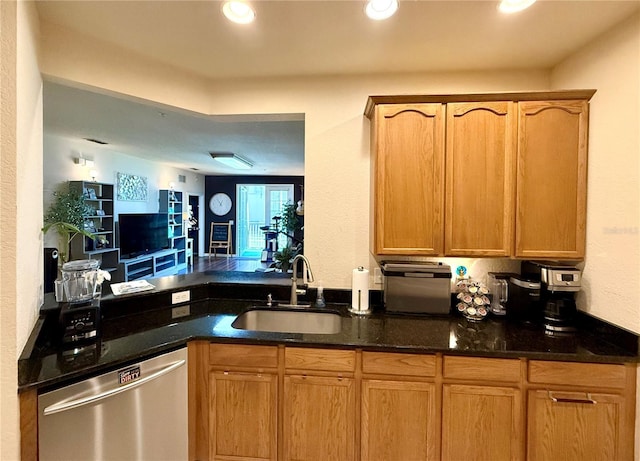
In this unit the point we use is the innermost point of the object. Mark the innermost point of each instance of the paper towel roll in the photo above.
(360, 289)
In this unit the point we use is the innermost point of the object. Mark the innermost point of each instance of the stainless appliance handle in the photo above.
(64, 406)
(588, 400)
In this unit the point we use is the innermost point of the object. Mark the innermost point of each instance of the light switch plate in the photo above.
(180, 297)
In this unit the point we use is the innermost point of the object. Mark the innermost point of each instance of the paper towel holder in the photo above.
(358, 310)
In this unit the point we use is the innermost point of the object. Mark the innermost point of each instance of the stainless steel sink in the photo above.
(289, 321)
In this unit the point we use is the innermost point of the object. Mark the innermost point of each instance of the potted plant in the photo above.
(66, 215)
(283, 257)
(290, 219)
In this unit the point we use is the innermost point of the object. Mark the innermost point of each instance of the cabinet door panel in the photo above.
(243, 416)
(481, 140)
(319, 418)
(551, 179)
(398, 421)
(409, 179)
(481, 423)
(572, 428)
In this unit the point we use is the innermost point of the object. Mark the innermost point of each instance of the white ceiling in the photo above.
(273, 143)
(298, 38)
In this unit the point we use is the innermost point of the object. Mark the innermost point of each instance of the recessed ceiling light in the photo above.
(239, 12)
(381, 9)
(513, 6)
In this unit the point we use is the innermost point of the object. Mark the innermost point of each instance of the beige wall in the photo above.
(336, 132)
(612, 267)
(8, 301)
(20, 184)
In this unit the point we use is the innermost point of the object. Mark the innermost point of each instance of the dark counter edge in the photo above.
(207, 286)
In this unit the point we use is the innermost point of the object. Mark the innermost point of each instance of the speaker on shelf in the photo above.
(50, 268)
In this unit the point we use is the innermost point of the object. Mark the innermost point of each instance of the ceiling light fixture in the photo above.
(381, 9)
(513, 6)
(238, 12)
(232, 160)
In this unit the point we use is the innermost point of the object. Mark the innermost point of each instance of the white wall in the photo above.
(59, 167)
(611, 283)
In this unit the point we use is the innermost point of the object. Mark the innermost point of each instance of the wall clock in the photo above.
(220, 204)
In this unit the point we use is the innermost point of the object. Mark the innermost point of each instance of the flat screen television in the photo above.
(142, 233)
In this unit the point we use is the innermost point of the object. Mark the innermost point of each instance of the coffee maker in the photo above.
(523, 303)
(559, 283)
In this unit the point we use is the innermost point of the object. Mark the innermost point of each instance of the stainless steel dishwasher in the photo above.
(138, 412)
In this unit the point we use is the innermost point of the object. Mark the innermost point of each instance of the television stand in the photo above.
(158, 264)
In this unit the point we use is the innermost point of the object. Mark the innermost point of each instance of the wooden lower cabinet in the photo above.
(575, 426)
(481, 423)
(399, 421)
(250, 403)
(243, 416)
(319, 418)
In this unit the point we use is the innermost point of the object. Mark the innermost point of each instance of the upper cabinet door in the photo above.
(408, 141)
(480, 171)
(551, 179)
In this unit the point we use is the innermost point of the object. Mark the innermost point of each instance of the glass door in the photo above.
(277, 196)
(258, 204)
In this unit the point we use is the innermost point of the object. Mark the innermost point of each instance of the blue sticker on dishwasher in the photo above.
(128, 375)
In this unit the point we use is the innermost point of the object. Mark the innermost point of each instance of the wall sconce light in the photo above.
(83, 162)
(172, 185)
(93, 174)
(231, 160)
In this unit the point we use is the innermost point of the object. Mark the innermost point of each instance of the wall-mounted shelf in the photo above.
(171, 202)
(100, 197)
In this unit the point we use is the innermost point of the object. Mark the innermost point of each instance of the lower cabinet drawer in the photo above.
(388, 363)
(481, 369)
(300, 358)
(577, 374)
(243, 355)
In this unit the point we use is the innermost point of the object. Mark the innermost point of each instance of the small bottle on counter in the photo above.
(320, 298)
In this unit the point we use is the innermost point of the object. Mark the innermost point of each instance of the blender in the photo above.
(498, 284)
(80, 312)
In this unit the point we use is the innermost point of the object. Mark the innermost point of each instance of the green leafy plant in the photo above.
(283, 257)
(290, 220)
(66, 215)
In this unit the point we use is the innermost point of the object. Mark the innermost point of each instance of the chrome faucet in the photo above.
(295, 291)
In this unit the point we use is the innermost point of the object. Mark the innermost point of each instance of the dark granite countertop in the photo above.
(139, 326)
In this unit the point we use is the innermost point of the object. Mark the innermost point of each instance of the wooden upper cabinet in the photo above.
(480, 149)
(551, 179)
(408, 142)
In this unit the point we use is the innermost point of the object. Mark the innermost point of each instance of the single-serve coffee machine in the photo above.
(559, 283)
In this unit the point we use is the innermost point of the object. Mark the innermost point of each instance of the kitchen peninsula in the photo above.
(437, 369)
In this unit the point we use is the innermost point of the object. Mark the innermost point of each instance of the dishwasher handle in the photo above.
(64, 406)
